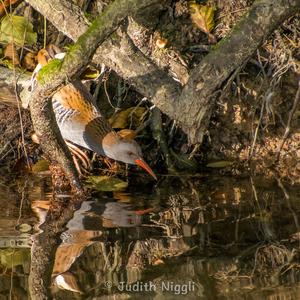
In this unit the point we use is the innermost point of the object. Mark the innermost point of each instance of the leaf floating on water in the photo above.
(203, 18)
(219, 164)
(24, 227)
(124, 118)
(106, 184)
(18, 30)
(40, 166)
(12, 257)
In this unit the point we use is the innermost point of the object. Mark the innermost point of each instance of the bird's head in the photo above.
(125, 150)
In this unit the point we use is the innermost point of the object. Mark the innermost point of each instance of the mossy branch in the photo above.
(56, 73)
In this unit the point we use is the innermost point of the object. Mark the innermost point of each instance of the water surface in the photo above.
(191, 238)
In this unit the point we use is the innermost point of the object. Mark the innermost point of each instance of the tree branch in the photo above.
(56, 72)
(117, 52)
(196, 102)
(193, 108)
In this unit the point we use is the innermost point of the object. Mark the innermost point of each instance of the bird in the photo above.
(81, 122)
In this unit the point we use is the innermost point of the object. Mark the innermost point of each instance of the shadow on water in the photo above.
(190, 238)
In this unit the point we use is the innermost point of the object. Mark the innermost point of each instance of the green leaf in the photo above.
(14, 257)
(106, 184)
(90, 73)
(123, 118)
(17, 30)
(219, 164)
(41, 166)
(183, 162)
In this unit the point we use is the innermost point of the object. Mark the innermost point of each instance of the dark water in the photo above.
(185, 238)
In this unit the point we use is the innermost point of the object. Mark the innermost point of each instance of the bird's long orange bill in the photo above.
(140, 162)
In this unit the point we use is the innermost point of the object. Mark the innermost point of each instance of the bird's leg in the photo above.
(77, 166)
(112, 165)
(78, 153)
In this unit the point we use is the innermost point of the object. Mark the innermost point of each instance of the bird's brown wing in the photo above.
(78, 118)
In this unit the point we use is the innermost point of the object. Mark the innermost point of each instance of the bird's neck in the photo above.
(109, 144)
(110, 139)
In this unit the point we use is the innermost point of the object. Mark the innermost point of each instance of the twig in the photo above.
(256, 130)
(16, 92)
(288, 125)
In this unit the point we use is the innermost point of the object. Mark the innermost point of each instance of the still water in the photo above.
(183, 238)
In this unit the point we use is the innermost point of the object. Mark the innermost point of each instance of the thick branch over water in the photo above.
(118, 53)
(193, 108)
(55, 74)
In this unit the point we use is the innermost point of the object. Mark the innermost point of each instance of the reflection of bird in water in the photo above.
(117, 214)
(81, 122)
(93, 217)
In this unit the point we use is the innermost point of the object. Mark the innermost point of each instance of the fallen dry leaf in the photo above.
(5, 4)
(125, 118)
(29, 62)
(11, 53)
(203, 18)
(161, 43)
(127, 133)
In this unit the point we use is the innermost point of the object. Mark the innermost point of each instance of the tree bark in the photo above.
(192, 108)
(117, 52)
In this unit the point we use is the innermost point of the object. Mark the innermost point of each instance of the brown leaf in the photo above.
(29, 62)
(161, 43)
(11, 53)
(4, 6)
(158, 262)
(122, 196)
(127, 133)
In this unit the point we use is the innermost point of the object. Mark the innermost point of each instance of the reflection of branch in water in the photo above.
(288, 125)
(287, 198)
(45, 245)
(264, 217)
